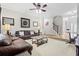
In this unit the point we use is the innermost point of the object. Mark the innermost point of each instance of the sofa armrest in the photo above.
(23, 45)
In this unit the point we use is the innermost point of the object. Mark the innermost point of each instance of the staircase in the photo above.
(55, 35)
(51, 31)
(55, 28)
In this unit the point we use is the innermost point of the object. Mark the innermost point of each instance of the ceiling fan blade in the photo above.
(45, 5)
(32, 9)
(43, 10)
(38, 4)
(34, 4)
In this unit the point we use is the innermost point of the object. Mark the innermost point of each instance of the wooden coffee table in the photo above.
(39, 40)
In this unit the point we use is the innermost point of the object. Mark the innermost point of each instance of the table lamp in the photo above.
(7, 28)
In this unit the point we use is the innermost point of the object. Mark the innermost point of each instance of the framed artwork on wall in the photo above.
(35, 23)
(25, 23)
(7, 20)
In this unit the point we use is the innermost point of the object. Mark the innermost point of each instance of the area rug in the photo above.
(53, 48)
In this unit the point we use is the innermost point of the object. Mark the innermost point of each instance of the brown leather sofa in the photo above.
(17, 46)
(27, 34)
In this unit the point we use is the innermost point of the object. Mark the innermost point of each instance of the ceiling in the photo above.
(53, 9)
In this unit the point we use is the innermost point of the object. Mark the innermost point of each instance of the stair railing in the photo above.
(55, 27)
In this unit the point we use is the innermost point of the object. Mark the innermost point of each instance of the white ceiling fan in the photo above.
(39, 7)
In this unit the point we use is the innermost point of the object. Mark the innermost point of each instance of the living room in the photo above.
(38, 21)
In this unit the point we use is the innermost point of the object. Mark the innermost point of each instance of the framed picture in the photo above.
(25, 23)
(35, 24)
(7, 20)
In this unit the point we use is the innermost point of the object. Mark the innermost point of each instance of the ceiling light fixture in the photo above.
(38, 11)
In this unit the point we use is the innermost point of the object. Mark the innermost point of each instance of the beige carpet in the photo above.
(53, 48)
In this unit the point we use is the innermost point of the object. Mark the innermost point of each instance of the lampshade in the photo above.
(7, 26)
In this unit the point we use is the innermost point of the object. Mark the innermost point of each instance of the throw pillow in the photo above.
(36, 31)
(5, 40)
(31, 32)
(21, 33)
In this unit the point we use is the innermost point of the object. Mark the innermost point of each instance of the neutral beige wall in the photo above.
(17, 26)
(17, 21)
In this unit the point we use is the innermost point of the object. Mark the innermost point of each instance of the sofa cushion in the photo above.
(5, 40)
(16, 47)
(27, 32)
